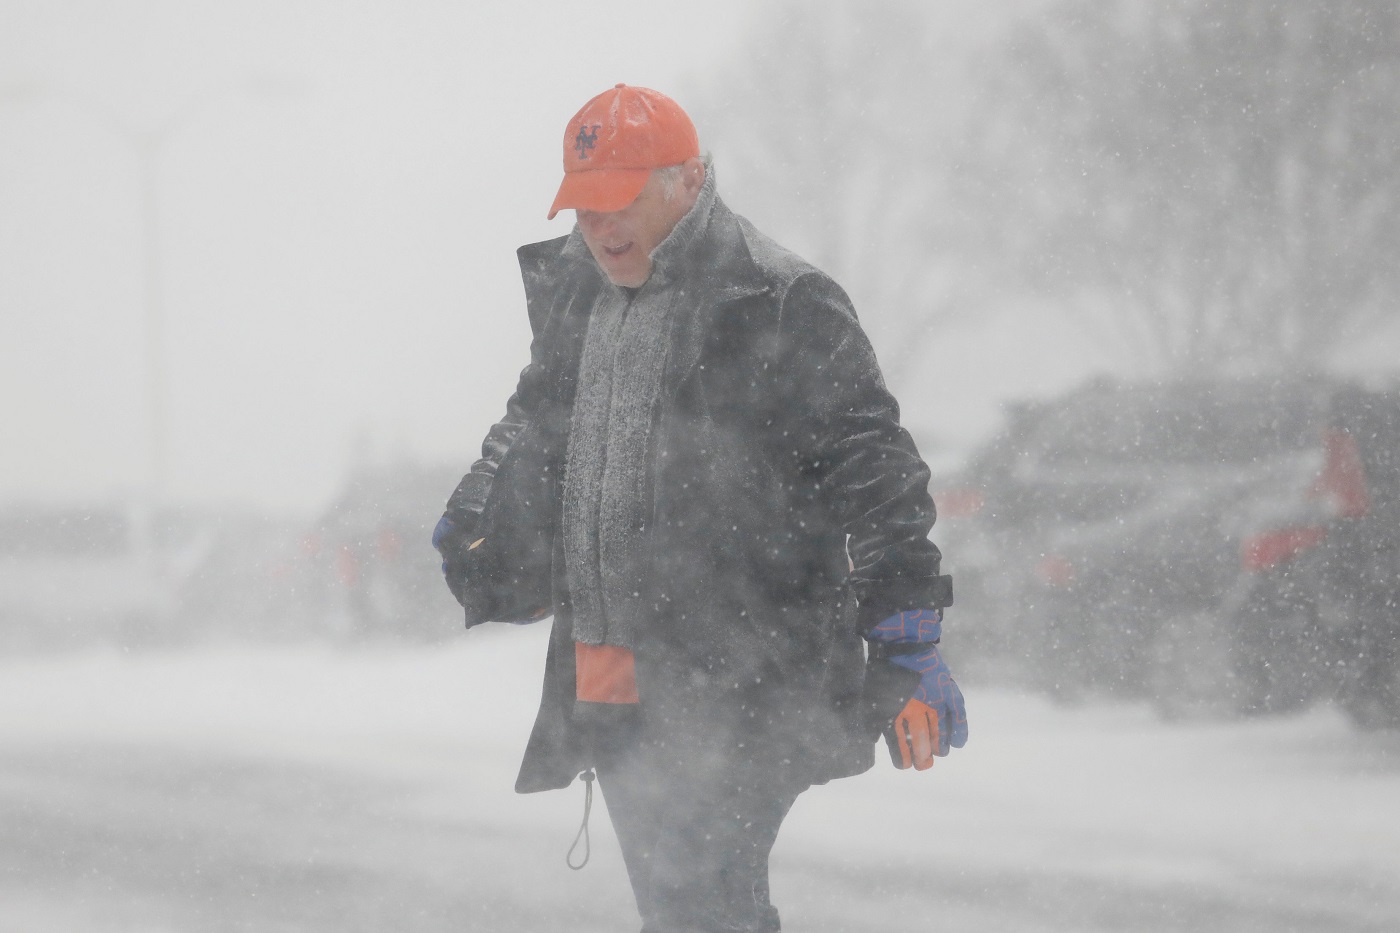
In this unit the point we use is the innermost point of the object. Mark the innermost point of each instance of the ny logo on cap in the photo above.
(585, 140)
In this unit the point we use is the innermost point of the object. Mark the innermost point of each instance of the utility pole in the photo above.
(149, 144)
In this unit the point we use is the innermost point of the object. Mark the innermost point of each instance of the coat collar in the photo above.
(717, 265)
(717, 270)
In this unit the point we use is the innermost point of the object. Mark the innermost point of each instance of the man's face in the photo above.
(621, 241)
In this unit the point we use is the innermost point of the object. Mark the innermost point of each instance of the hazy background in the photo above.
(335, 191)
(259, 304)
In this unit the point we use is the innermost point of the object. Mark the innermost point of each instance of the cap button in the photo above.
(620, 84)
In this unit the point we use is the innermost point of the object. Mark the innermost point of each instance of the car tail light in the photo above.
(1271, 548)
(959, 503)
(347, 566)
(388, 544)
(1343, 480)
(1054, 571)
(1340, 487)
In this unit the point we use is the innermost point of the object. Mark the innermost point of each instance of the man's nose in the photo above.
(596, 223)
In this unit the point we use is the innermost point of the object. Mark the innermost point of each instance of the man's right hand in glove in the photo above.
(935, 718)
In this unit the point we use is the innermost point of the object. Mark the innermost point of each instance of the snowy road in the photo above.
(312, 789)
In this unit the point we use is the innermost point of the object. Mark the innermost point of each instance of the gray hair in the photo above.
(670, 177)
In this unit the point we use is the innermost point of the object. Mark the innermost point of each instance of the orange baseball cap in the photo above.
(613, 143)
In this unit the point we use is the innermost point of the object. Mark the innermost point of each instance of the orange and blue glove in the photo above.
(935, 717)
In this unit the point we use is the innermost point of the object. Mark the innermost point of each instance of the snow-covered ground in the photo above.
(317, 788)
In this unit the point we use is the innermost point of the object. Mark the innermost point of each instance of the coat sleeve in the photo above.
(853, 455)
(469, 498)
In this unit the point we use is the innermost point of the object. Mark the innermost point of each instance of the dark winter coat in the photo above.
(778, 452)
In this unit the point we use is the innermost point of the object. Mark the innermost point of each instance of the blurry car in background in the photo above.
(112, 573)
(73, 574)
(1322, 590)
(1187, 543)
(369, 556)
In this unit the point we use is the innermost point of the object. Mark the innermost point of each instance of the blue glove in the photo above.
(442, 530)
(918, 627)
(449, 539)
(935, 717)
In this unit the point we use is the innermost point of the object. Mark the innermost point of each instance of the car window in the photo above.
(1175, 428)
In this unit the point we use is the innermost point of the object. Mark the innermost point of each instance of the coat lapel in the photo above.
(722, 275)
(562, 282)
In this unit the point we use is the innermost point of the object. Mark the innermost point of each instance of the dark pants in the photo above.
(695, 833)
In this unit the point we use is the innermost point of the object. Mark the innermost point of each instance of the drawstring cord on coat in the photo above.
(583, 829)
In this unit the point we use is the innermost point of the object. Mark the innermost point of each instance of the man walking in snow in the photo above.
(702, 477)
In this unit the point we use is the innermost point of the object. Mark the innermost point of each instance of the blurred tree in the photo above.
(835, 126)
(1214, 181)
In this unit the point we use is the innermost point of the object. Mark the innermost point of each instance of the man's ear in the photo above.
(693, 175)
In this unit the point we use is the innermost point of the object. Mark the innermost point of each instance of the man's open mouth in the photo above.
(617, 250)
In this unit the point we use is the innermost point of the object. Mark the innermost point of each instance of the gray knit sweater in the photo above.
(607, 489)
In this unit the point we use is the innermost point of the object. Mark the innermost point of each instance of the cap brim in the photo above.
(607, 189)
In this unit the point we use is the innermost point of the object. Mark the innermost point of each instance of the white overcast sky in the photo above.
(340, 203)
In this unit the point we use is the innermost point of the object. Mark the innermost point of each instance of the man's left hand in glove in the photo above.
(935, 717)
(471, 580)
(452, 540)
